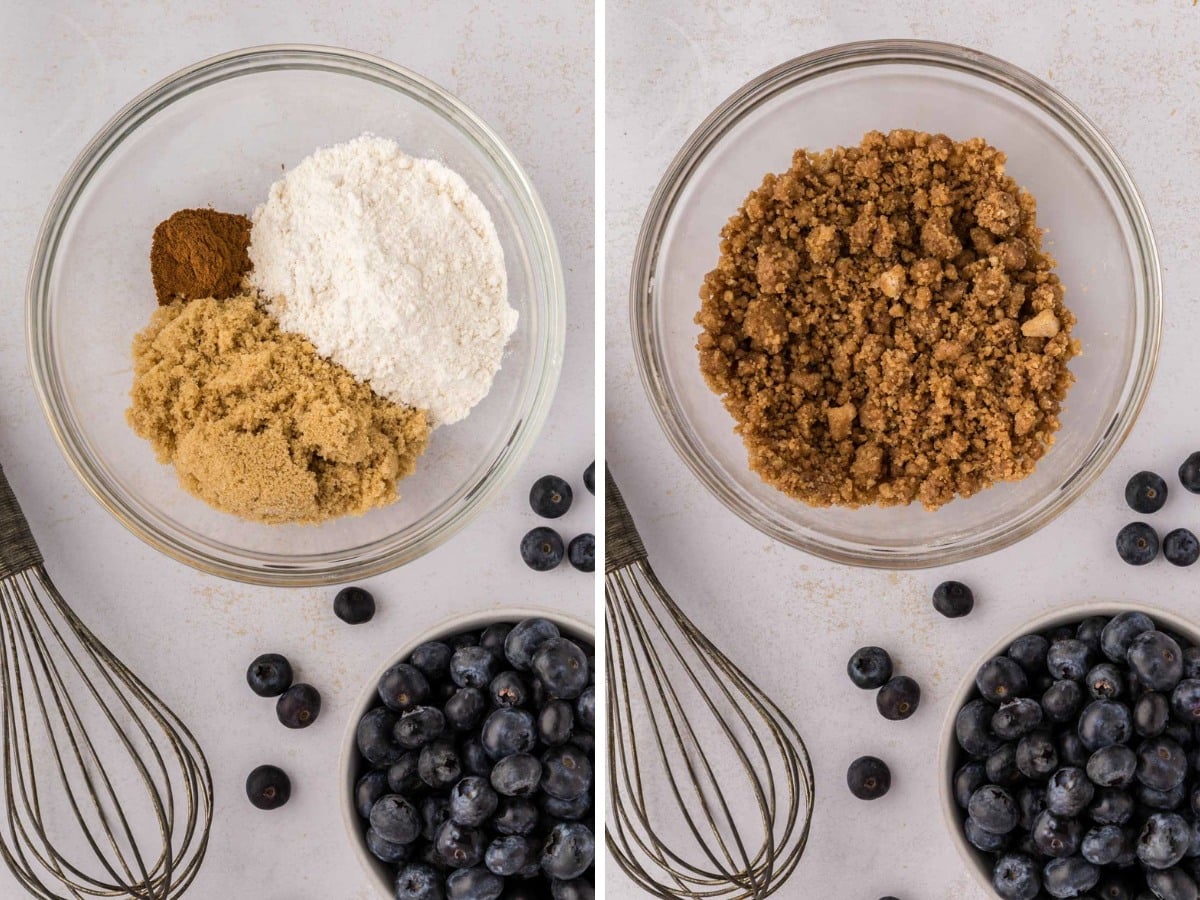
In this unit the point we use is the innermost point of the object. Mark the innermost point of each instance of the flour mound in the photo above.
(392, 268)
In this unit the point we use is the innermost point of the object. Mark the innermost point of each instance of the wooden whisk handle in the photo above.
(623, 544)
(18, 549)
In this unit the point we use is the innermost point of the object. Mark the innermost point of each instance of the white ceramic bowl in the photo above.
(350, 765)
(949, 754)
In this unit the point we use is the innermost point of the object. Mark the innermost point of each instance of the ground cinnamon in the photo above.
(199, 253)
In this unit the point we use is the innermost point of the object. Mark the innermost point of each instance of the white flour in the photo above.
(392, 268)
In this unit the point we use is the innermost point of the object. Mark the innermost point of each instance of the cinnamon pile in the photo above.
(199, 253)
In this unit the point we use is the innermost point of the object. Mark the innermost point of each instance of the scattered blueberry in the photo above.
(354, 605)
(589, 478)
(1146, 493)
(1189, 473)
(268, 787)
(1180, 547)
(298, 706)
(581, 552)
(953, 599)
(869, 667)
(899, 698)
(269, 675)
(868, 778)
(542, 549)
(1137, 543)
(550, 496)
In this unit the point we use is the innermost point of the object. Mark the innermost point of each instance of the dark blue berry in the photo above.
(1071, 750)
(982, 839)
(1137, 543)
(376, 737)
(439, 764)
(525, 639)
(1163, 841)
(515, 815)
(542, 549)
(1185, 701)
(1172, 884)
(869, 668)
(1105, 681)
(473, 667)
(1150, 714)
(418, 726)
(461, 846)
(1189, 473)
(1146, 493)
(1031, 803)
(1016, 877)
(403, 686)
(510, 854)
(568, 850)
(581, 889)
(476, 883)
(419, 881)
(269, 675)
(589, 478)
(517, 775)
(566, 810)
(354, 605)
(1112, 806)
(1068, 792)
(972, 728)
(1062, 701)
(396, 819)
(1001, 679)
(1161, 764)
(1112, 766)
(403, 776)
(435, 812)
(1180, 547)
(475, 760)
(298, 706)
(953, 599)
(1120, 632)
(899, 698)
(1090, 630)
(268, 787)
(472, 801)
(1029, 652)
(1001, 767)
(493, 638)
(566, 772)
(1156, 659)
(550, 496)
(1070, 877)
(1068, 659)
(581, 552)
(562, 667)
(967, 780)
(432, 659)
(585, 708)
(385, 850)
(994, 809)
(368, 789)
(1104, 845)
(1191, 662)
(1055, 836)
(508, 731)
(508, 689)
(465, 708)
(1152, 798)
(1037, 757)
(1105, 722)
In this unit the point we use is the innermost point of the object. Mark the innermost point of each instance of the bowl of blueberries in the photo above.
(467, 768)
(1071, 758)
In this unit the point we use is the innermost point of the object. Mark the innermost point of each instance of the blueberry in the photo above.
(581, 889)
(419, 881)
(1105, 681)
(474, 759)
(1161, 764)
(550, 496)
(508, 731)
(1090, 630)
(515, 815)
(404, 777)
(1111, 806)
(1105, 722)
(581, 552)
(1156, 660)
(1166, 801)
(418, 726)
(509, 854)
(1137, 543)
(439, 764)
(298, 706)
(268, 787)
(1191, 662)
(508, 689)
(1001, 679)
(568, 850)
(1037, 757)
(982, 839)
(403, 686)
(1146, 493)
(1068, 659)
(269, 675)
(566, 772)
(368, 789)
(354, 605)
(1016, 877)
(585, 708)
(1172, 884)
(953, 599)
(1185, 701)
(555, 722)
(385, 850)
(868, 778)
(1103, 845)
(1069, 877)
(1189, 473)
(1062, 701)
(967, 780)
(376, 737)
(1112, 766)
(396, 819)
(1180, 547)
(517, 775)
(1001, 767)
(899, 698)
(493, 637)
(869, 668)
(473, 667)
(472, 801)
(542, 549)
(1163, 841)
(562, 667)
(432, 659)
(1069, 792)
(1113, 889)
(1031, 803)
(1016, 718)
(567, 810)
(525, 639)
(1071, 751)
(1029, 652)
(1056, 837)
(994, 809)
(474, 884)
(972, 728)
(461, 846)
(1120, 632)
(465, 708)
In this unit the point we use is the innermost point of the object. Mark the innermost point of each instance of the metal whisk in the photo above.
(711, 787)
(105, 793)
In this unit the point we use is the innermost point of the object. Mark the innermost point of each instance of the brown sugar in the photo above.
(884, 326)
(199, 253)
(257, 424)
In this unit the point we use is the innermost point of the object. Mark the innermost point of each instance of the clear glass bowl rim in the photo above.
(391, 551)
(647, 339)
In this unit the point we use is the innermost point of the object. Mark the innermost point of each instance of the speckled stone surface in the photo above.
(791, 619)
(66, 67)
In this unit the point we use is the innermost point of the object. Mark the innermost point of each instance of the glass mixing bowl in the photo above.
(1097, 230)
(218, 134)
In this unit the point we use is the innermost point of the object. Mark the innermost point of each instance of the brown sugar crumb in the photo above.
(257, 424)
(884, 326)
